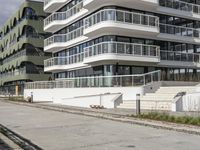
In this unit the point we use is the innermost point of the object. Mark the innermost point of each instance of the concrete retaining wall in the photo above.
(82, 96)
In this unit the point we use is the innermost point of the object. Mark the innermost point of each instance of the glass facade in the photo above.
(170, 50)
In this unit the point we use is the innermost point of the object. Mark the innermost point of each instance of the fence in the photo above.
(100, 81)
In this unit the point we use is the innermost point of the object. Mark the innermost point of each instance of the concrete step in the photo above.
(157, 96)
(160, 100)
(146, 104)
(174, 90)
(150, 107)
(156, 99)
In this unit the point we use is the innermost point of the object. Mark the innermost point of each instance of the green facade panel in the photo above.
(32, 77)
(21, 32)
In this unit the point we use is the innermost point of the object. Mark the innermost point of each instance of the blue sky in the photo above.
(8, 8)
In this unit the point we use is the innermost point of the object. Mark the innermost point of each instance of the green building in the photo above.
(21, 48)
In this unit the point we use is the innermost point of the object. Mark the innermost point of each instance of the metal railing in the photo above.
(64, 60)
(17, 72)
(62, 38)
(130, 49)
(179, 30)
(57, 16)
(178, 56)
(17, 55)
(121, 16)
(180, 5)
(120, 48)
(98, 81)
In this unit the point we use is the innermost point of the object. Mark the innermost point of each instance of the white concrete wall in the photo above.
(191, 102)
(108, 101)
(69, 95)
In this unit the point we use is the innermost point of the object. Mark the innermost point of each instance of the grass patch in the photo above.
(189, 120)
(17, 98)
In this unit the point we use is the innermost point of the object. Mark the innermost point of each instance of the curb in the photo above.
(117, 117)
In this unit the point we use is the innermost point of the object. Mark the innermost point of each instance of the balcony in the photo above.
(53, 5)
(179, 59)
(105, 52)
(179, 33)
(112, 52)
(58, 20)
(57, 64)
(139, 4)
(180, 8)
(125, 23)
(58, 42)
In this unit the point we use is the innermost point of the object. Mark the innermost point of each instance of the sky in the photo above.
(8, 8)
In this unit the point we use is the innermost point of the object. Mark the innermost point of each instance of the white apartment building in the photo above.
(93, 39)
(112, 37)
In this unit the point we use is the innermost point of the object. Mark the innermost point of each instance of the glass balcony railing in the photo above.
(17, 72)
(22, 53)
(58, 16)
(178, 56)
(121, 17)
(180, 5)
(179, 30)
(56, 61)
(119, 48)
(98, 81)
(15, 56)
(62, 38)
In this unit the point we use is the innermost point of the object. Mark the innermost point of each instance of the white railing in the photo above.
(121, 16)
(62, 38)
(57, 16)
(105, 15)
(180, 56)
(180, 5)
(100, 81)
(120, 48)
(179, 30)
(56, 61)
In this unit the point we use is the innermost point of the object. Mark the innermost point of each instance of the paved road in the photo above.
(61, 131)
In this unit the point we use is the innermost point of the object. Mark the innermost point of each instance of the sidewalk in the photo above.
(119, 115)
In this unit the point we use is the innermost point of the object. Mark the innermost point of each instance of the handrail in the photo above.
(64, 60)
(134, 49)
(179, 30)
(63, 15)
(60, 38)
(180, 56)
(111, 15)
(180, 5)
(100, 81)
(136, 18)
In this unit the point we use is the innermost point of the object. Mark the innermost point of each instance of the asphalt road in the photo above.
(53, 130)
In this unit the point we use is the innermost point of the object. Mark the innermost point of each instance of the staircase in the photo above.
(160, 100)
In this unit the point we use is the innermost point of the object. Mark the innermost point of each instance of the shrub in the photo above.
(171, 118)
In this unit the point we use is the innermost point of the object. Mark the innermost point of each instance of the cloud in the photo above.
(8, 8)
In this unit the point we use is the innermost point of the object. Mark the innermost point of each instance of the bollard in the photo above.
(100, 101)
(31, 97)
(138, 104)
